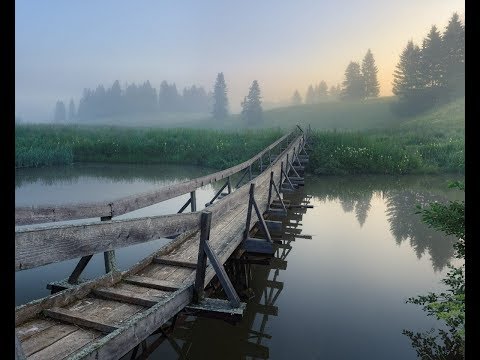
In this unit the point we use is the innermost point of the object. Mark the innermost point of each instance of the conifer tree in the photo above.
(252, 106)
(354, 83)
(407, 81)
(453, 41)
(369, 72)
(310, 95)
(296, 98)
(60, 114)
(220, 100)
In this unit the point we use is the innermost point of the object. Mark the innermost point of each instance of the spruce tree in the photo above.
(60, 114)
(322, 91)
(296, 98)
(220, 100)
(310, 95)
(453, 41)
(354, 84)
(252, 106)
(71, 111)
(407, 81)
(369, 72)
(432, 65)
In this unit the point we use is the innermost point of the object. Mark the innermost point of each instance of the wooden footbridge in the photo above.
(107, 317)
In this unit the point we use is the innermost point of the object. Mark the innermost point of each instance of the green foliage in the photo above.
(41, 145)
(448, 306)
(385, 152)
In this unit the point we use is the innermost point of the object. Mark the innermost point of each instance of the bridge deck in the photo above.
(106, 317)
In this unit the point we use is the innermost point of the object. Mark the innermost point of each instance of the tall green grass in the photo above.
(386, 152)
(41, 145)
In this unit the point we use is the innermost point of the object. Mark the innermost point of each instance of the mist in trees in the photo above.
(60, 114)
(296, 98)
(434, 73)
(135, 99)
(252, 112)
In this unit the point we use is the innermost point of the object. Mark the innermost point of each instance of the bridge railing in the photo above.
(51, 213)
(41, 245)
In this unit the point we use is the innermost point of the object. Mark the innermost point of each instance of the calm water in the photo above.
(339, 295)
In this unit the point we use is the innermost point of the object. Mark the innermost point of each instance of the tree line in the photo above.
(134, 98)
(143, 98)
(435, 72)
(360, 83)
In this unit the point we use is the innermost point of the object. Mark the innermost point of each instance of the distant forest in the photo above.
(133, 99)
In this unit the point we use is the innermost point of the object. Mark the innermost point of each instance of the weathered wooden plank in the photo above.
(125, 296)
(274, 284)
(210, 307)
(19, 354)
(175, 262)
(33, 327)
(67, 346)
(118, 343)
(27, 311)
(44, 245)
(152, 283)
(46, 338)
(69, 316)
(49, 213)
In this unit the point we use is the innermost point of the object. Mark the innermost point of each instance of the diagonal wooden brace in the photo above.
(204, 252)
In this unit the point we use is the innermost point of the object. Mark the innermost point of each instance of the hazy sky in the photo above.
(62, 47)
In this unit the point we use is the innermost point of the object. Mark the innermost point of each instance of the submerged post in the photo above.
(108, 256)
(270, 189)
(205, 222)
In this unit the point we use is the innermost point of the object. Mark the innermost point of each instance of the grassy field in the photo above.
(349, 138)
(43, 145)
(427, 143)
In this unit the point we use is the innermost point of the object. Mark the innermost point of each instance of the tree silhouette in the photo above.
(310, 95)
(354, 83)
(251, 105)
(60, 114)
(453, 42)
(71, 111)
(407, 82)
(296, 98)
(369, 72)
(220, 100)
(321, 91)
(432, 64)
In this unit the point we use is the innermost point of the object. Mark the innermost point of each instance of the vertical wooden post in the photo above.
(110, 261)
(229, 184)
(270, 190)
(205, 222)
(109, 256)
(193, 201)
(250, 171)
(287, 168)
(249, 212)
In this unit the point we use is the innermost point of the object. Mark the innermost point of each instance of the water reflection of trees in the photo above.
(114, 172)
(401, 196)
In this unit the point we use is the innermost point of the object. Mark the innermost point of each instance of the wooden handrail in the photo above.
(51, 213)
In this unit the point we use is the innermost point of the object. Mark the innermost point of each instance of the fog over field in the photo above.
(64, 47)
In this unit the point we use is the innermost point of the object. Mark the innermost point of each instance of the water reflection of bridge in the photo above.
(257, 280)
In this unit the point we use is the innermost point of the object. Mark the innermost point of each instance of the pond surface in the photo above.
(337, 295)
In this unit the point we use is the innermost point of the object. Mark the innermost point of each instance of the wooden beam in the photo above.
(201, 266)
(129, 297)
(41, 245)
(73, 279)
(222, 276)
(78, 319)
(174, 262)
(152, 283)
